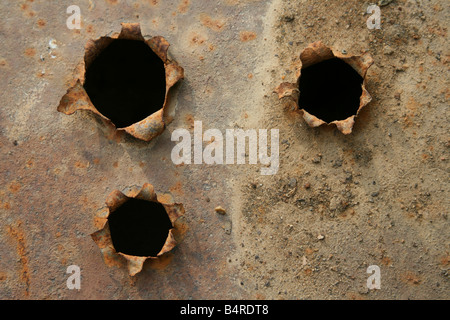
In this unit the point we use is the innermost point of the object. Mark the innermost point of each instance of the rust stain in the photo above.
(41, 23)
(445, 260)
(386, 261)
(90, 28)
(197, 39)
(116, 164)
(183, 7)
(30, 163)
(81, 165)
(3, 63)
(190, 120)
(18, 235)
(30, 52)
(207, 21)
(112, 2)
(154, 2)
(247, 36)
(177, 188)
(14, 187)
(3, 276)
(411, 278)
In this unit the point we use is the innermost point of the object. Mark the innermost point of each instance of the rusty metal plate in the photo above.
(337, 204)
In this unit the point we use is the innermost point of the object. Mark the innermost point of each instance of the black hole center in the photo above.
(330, 90)
(126, 82)
(139, 228)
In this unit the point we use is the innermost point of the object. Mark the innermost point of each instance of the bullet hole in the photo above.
(139, 228)
(330, 90)
(126, 82)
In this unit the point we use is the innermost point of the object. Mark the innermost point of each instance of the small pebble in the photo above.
(220, 210)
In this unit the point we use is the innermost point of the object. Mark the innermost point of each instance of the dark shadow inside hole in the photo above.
(330, 90)
(139, 228)
(126, 82)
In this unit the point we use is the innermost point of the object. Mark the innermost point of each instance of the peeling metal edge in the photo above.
(102, 237)
(76, 97)
(317, 52)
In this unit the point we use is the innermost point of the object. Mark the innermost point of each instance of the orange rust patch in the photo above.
(14, 187)
(177, 188)
(116, 164)
(190, 121)
(310, 251)
(183, 6)
(113, 2)
(165, 198)
(96, 161)
(250, 76)
(31, 13)
(411, 278)
(90, 28)
(2, 276)
(308, 271)
(154, 2)
(247, 36)
(445, 261)
(81, 165)
(24, 6)
(210, 23)
(18, 235)
(197, 39)
(3, 63)
(142, 164)
(29, 52)
(386, 261)
(41, 23)
(30, 163)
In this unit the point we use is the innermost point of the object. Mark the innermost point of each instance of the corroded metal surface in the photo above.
(103, 238)
(76, 97)
(338, 204)
(315, 53)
